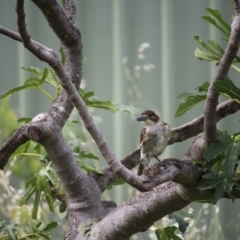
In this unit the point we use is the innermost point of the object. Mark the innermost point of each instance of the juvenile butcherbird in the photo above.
(153, 138)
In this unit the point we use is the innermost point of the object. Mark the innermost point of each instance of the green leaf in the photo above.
(182, 224)
(108, 105)
(24, 120)
(216, 46)
(88, 168)
(224, 141)
(205, 56)
(124, 108)
(202, 88)
(182, 96)
(75, 121)
(34, 70)
(87, 95)
(32, 81)
(10, 230)
(17, 89)
(217, 15)
(27, 196)
(189, 103)
(218, 182)
(167, 233)
(62, 207)
(50, 226)
(214, 23)
(36, 203)
(227, 88)
(44, 77)
(85, 154)
(118, 181)
(231, 159)
(208, 48)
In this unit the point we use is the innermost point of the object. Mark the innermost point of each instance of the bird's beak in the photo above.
(142, 118)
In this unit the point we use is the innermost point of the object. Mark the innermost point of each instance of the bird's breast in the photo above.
(155, 140)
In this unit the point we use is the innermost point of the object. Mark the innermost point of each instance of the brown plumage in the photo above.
(153, 138)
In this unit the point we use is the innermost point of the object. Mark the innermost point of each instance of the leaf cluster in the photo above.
(35, 231)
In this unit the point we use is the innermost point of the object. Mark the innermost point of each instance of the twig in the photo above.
(236, 7)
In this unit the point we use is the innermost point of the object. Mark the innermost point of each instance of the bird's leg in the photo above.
(160, 162)
(149, 163)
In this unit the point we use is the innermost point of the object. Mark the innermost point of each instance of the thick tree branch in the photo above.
(142, 211)
(75, 182)
(44, 125)
(210, 132)
(15, 141)
(60, 22)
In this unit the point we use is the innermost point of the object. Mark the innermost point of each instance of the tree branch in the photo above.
(210, 133)
(61, 23)
(196, 126)
(184, 132)
(16, 140)
(142, 211)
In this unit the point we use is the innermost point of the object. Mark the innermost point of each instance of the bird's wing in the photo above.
(143, 132)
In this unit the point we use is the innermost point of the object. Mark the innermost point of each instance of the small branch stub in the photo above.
(34, 133)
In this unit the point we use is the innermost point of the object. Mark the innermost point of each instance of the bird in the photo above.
(154, 138)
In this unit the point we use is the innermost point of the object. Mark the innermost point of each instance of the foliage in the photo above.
(8, 122)
(10, 232)
(221, 157)
(44, 182)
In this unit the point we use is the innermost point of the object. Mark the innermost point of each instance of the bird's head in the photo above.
(148, 117)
